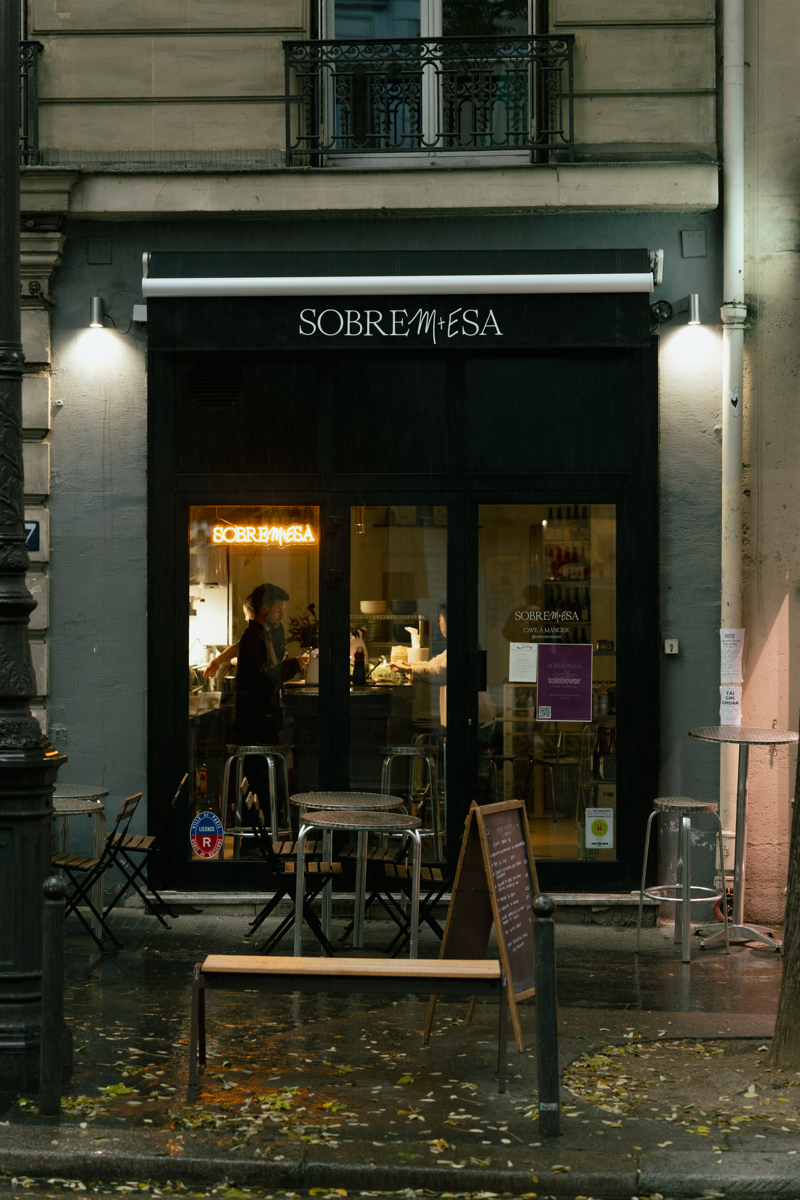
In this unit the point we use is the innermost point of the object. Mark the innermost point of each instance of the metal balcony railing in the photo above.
(410, 95)
(29, 102)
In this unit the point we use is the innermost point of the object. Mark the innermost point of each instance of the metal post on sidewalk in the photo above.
(544, 946)
(52, 1036)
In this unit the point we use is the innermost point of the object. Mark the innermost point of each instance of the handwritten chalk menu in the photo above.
(513, 892)
(495, 885)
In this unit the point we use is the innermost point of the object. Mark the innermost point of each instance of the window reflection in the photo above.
(398, 657)
(547, 577)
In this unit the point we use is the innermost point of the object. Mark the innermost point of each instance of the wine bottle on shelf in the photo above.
(586, 607)
(585, 528)
(559, 601)
(559, 524)
(584, 564)
(584, 638)
(550, 518)
(576, 524)
(575, 635)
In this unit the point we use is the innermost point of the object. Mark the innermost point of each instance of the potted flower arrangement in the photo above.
(304, 629)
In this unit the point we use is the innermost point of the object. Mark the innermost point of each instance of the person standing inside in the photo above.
(262, 666)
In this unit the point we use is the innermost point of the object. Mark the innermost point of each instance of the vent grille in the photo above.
(215, 384)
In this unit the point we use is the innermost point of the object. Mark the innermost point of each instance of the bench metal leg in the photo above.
(502, 1035)
(194, 1025)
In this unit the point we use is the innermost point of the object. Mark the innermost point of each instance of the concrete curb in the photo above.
(760, 1175)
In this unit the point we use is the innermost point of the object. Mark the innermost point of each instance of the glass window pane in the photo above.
(548, 578)
(377, 18)
(398, 618)
(253, 594)
(479, 18)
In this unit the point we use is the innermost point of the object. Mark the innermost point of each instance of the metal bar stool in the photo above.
(276, 762)
(683, 893)
(422, 754)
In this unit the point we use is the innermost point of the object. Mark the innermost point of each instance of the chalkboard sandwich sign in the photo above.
(495, 884)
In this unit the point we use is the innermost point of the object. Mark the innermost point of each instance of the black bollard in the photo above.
(52, 1035)
(546, 1017)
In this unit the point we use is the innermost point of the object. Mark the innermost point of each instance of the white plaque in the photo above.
(522, 660)
(599, 828)
(731, 644)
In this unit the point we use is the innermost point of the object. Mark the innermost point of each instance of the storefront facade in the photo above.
(388, 458)
(425, 472)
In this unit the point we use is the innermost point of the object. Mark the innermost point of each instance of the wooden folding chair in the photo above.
(146, 845)
(92, 869)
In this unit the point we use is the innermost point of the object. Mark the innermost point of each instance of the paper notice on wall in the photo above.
(522, 659)
(731, 644)
(730, 706)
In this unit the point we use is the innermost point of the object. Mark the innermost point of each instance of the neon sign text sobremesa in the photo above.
(263, 535)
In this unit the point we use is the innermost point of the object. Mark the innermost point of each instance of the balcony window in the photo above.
(427, 76)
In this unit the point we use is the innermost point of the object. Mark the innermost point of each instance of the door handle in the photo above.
(476, 670)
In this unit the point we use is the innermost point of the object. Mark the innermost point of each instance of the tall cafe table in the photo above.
(78, 800)
(362, 822)
(744, 737)
(323, 801)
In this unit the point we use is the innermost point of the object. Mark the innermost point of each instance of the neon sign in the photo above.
(262, 535)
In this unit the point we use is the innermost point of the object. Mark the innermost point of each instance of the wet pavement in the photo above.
(332, 1092)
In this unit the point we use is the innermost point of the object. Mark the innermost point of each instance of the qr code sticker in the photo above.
(544, 712)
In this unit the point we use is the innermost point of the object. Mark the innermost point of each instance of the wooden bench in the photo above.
(442, 976)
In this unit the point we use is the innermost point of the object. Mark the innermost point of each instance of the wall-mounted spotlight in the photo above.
(96, 313)
(663, 311)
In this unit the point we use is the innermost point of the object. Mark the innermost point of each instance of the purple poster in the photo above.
(565, 682)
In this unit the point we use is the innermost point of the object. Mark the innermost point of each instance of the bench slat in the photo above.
(436, 968)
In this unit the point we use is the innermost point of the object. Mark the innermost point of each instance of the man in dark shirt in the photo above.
(261, 668)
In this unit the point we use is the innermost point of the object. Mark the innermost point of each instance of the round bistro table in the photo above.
(79, 800)
(322, 801)
(744, 737)
(362, 822)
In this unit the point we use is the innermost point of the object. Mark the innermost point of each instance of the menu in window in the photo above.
(522, 662)
(565, 683)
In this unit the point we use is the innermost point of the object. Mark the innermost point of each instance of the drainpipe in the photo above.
(733, 312)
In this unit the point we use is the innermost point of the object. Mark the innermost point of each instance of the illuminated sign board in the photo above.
(263, 535)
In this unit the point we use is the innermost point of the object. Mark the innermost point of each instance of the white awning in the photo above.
(401, 285)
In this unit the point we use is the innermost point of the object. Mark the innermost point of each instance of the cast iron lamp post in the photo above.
(28, 763)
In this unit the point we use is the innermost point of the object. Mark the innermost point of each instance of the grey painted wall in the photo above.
(98, 631)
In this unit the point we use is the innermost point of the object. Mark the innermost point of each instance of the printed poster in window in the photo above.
(565, 683)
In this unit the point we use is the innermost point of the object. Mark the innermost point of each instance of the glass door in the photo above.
(398, 657)
(547, 621)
